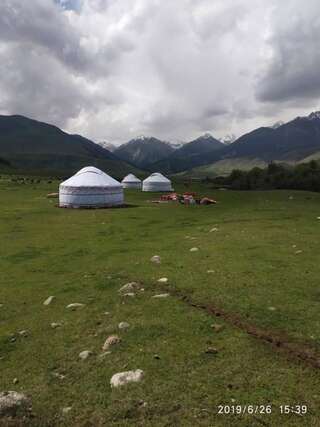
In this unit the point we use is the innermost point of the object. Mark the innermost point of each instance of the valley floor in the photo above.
(240, 325)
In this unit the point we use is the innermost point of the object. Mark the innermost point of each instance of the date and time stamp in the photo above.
(295, 409)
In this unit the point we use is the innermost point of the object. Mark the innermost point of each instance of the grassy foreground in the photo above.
(261, 264)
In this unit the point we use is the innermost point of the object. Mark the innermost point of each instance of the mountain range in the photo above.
(31, 146)
(28, 145)
(144, 151)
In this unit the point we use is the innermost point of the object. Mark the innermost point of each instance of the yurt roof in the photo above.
(131, 178)
(156, 177)
(91, 177)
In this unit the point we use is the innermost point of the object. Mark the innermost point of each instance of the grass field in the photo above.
(263, 285)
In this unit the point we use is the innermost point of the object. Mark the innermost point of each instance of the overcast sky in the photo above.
(115, 69)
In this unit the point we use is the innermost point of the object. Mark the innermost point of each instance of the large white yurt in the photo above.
(131, 181)
(157, 182)
(90, 188)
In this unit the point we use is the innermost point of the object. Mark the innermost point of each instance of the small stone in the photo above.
(216, 327)
(156, 259)
(210, 271)
(129, 287)
(318, 217)
(157, 357)
(272, 308)
(13, 404)
(161, 296)
(194, 249)
(123, 325)
(110, 341)
(163, 280)
(15, 381)
(55, 325)
(126, 377)
(23, 333)
(85, 354)
(58, 375)
(107, 313)
(298, 252)
(75, 305)
(211, 350)
(213, 229)
(129, 294)
(66, 410)
(49, 300)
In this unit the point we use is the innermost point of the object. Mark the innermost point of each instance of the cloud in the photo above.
(112, 69)
(292, 71)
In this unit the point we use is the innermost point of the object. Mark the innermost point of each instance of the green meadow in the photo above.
(256, 274)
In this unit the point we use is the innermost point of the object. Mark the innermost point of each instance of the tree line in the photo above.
(305, 176)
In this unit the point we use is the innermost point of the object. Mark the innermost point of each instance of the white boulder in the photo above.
(49, 300)
(124, 325)
(126, 377)
(75, 305)
(110, 341)
(161, 296)
(85, 354)
(129, 287)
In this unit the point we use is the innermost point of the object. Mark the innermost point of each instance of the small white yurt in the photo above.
(157, 182)
(131, 181)
(90, 188)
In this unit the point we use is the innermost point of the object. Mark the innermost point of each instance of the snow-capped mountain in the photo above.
(107, 146)
(228, 139)
(143, 150)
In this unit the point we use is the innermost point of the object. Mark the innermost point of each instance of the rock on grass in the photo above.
(126, 377)
(156, 259)
(129, 287)
(14, 404)
(85, 354)
(124, 325)
(55, 325)
(194, 249)
(163, 280)
(75, 306)
(110, 341)
(49, 300)
(161, 296)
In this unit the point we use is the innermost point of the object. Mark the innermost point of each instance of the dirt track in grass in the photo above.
(298, 351)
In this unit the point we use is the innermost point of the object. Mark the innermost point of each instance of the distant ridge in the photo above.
(35, 147)
(143, 151)
(290, 142)
(190, 155)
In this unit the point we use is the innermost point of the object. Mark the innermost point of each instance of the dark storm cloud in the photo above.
(35, 85)
(293, 70)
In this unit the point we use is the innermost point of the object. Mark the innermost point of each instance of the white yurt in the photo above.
(157, 182)
(131, 181)
(90, 188)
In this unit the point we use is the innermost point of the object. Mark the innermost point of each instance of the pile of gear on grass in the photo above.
(187, 198)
